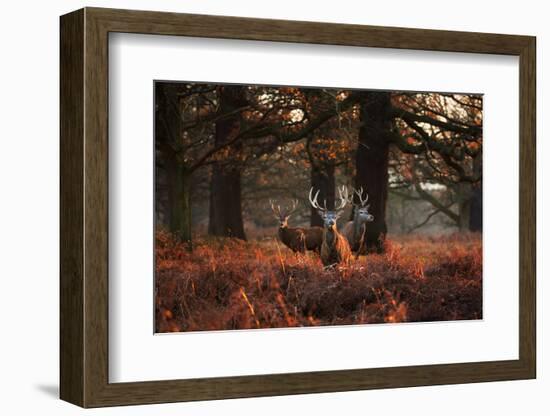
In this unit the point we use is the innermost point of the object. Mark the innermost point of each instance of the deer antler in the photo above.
(276, 210)
(343, 192)
(362, 202)
(292, 208)
(285, 213)
(313, 200)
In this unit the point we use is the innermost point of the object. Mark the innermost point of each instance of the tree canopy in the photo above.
(226, 149)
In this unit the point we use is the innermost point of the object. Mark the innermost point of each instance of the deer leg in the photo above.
(302, 243)
(361, 243)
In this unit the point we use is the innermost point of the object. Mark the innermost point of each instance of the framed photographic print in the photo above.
(256, 207)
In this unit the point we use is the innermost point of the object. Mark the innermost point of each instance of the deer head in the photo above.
(329, 216)
(361, 208)
(282, 215)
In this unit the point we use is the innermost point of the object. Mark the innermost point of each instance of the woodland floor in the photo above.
(230, 284)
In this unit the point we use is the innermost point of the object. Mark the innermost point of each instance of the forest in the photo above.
(282, 206)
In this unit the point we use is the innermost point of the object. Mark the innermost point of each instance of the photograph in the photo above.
(280, 206)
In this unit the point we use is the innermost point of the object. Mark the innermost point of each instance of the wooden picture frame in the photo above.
(84, 207)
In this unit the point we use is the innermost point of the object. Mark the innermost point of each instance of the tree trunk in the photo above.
(177, 176)
(476, 209)
(322, 179)
(180, 201)
(372, 163)
(225, 218)
(163, 128)
(476, 204)
(465, 194)
(225, 203)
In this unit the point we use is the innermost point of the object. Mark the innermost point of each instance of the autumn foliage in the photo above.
(225, 284)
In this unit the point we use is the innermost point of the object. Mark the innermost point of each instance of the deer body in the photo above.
(314, 238)
(355, 230)
(335, 247)
(355, 233)
(301, 239)
(298, 239)
(293, 238)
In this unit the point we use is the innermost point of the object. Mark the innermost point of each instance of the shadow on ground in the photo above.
(51, 390)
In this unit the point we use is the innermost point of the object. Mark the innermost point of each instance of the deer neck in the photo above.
(357, 227)
(330, 236)
(283, 231)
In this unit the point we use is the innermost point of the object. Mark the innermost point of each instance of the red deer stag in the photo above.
(296, 238)
(335, 248)
(355, 230)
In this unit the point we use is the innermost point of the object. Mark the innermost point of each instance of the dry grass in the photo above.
(230, 284)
